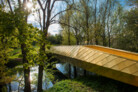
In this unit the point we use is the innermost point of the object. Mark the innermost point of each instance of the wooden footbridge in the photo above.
(112, 63)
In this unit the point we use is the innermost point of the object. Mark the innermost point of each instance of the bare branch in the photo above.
(46, 5)
(10, 5)
(40, 4)
(40, 19)
(52, 5)
(59, 13)
(58, 22)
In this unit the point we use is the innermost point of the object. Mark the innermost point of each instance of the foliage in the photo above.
(70, 86)
(6, 36)
(65, 38)
(129, 34)
(55, 39)
(92, 83)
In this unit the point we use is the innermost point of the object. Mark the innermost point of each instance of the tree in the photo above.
(47, 8)
(129, 34)
(7, 29)
(21, 13)
(55, 39)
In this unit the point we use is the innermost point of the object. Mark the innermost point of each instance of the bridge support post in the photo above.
(69, 71)
(84, 72)
(75, 71)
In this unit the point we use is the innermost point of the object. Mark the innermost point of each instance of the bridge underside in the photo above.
(101, 61)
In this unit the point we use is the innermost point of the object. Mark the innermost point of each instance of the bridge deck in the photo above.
(112, 63)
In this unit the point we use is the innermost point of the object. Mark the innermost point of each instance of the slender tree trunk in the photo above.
(109, 41)
(88, 39)
(69, 43)
(40, 78)
(104, 39)
(95, 11)
(77, 43)
(26, 70)
(10, 5)
(40, 73)
(10, 90)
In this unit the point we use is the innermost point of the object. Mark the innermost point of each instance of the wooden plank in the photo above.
(131, 69)
(85, 53)
(136, 73)
(106, 60)
(122, 53)
(100, 58)
(124, 64)
(96, 54)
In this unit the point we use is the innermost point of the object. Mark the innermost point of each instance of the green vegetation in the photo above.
(92, 84)
(16, 53)
(70, 86)
(102, 84)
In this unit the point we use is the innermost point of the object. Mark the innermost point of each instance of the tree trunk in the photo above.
(27, 80)
(109, 41)
(96, 41)
(77, 43)
(104, 39)
(26, 70)
(41, 68)
(69, 43)
(40, 78)
(10, 90)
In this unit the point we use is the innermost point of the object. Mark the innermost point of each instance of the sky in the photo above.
(54, 28)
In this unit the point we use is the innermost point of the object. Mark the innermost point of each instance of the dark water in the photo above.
(64, 68)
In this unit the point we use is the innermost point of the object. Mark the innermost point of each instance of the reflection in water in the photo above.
(18, 83)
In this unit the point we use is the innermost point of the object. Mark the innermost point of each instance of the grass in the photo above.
(69, 86)
(92, 84)
(103, 84)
